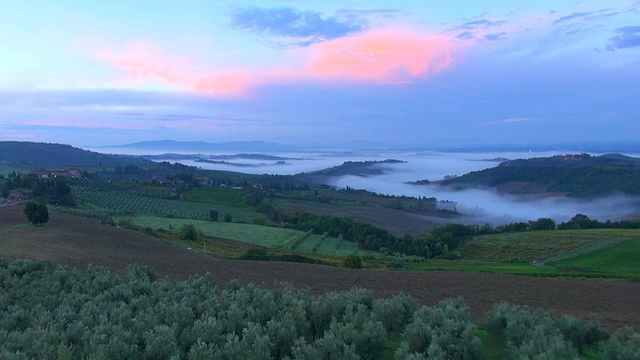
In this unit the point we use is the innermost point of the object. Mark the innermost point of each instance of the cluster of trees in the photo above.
(49, 311)
(56, 191)
(56, 311)
(536, 334)
(367, 236)
(581, 221)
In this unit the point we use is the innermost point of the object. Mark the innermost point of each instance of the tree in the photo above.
(227, 218)
(36, 213)
(213, 215)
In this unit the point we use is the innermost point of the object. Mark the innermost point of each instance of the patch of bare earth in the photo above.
(79, 242)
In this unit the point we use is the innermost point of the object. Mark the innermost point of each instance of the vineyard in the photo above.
(118, 200)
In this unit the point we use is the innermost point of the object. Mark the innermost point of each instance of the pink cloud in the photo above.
(377, 56)
(380, 56)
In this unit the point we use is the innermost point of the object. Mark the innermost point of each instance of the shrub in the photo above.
(352, 261)
(189, 232)
(623, 345)
(445, 331)
(397, 263)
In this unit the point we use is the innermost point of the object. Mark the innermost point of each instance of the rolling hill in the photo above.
(31, 156)
(580, 176)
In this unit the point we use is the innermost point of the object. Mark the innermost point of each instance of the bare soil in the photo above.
(80, 242)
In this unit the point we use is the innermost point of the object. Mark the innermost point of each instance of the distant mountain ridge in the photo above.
(203, 146)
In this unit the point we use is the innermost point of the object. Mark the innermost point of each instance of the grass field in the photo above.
(607, 253)
(395, 221)
(266, 236)
(620, 260)
(217, 195)
(541, 245)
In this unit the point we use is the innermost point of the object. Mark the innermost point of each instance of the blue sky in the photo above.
(443, 73)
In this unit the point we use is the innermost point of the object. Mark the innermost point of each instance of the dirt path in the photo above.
(79, 242)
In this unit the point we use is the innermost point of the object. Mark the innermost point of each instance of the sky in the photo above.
(99, 73)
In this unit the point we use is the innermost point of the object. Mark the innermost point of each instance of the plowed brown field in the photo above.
(79, 242)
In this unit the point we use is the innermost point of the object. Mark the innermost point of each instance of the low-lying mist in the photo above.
(485, 205)
(478, 206)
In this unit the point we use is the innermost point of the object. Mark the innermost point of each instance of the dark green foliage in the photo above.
(366, 235)
(36, 213)
(227, 218)
(213, 215)
(532, 333)
(55, 191)
(259, 221)
(442, 332)
(49, 312)
(395, 313)
(579, 175)
(189, 232)
(623, 345)
(352, 261)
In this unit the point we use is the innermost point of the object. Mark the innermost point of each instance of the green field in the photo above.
(542, 245)
(266, 236)
(620, 260)
(608, 253)
(217, 195)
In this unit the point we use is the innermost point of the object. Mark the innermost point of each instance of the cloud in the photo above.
(385, 13)
(575, 15)
(629, 36)
(479, 29)
(495, 36)
(381, 56)
(481, 23)
(306, 26)
(506, 121)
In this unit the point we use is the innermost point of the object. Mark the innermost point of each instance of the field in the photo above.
(265, 236)
(80, 241)
(619, 260)
(216, 195)
(577, 253)
(395, 221)
(147, 200)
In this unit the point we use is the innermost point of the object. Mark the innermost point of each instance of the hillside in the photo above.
(580, 176)
(31, 156)
(353, 168)
(80, 242)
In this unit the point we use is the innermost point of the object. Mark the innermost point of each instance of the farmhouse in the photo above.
(42, 174)
(20, 194)
(73, 173)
